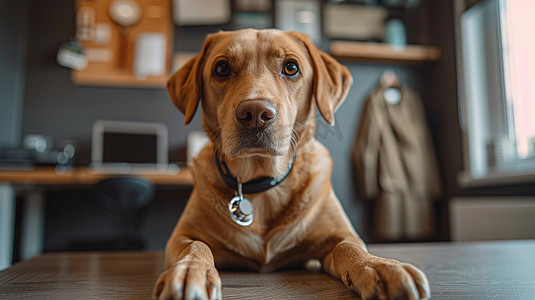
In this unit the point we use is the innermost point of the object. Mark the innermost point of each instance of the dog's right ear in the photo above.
(185, 85)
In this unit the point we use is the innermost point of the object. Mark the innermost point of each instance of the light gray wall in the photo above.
(13, 22)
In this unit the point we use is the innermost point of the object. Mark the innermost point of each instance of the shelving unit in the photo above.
(380, 52)
(112, 62)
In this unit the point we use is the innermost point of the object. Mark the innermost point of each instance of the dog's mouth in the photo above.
(254, 152)
(258, 143)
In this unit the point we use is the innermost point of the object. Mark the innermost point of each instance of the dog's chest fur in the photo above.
(276, 232)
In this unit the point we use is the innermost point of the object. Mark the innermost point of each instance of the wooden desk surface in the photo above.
(491, 270)
(84, 175)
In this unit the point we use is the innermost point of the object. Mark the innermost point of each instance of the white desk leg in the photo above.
(33, 223)
(7, 224)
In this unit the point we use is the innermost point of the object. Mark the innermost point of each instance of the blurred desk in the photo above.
(486, 270)
(32, 183)
(83, 175)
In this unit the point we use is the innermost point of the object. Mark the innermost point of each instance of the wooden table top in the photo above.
(490, 270)
(84, 175)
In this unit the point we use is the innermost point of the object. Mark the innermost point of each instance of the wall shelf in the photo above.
(381, 52)
(92, 76)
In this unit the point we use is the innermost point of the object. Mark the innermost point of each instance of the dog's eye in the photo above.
(222, 69)
(290, 69)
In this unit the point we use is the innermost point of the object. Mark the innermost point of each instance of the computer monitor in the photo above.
(119, 143)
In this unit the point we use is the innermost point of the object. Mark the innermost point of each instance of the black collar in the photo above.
(254, 186)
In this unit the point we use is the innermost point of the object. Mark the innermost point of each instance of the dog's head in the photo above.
(257, 89)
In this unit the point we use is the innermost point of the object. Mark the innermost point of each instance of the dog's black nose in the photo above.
(256, 114)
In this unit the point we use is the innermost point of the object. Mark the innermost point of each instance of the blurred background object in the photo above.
(395, 162)
(38, 150)
(395, 34)
(354, 22)
(195, 143)
(300, 15)
(252, 14)
(72, 56)
(201, 12)
(125, 197)
(125, 14)
(127, 42)
(37, 142)
(149, 59)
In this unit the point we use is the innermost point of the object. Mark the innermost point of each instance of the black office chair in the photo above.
(126, 196)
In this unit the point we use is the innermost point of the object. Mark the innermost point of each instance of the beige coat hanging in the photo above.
(395, 164)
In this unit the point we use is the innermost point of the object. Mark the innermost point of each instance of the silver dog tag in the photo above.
(241, 209)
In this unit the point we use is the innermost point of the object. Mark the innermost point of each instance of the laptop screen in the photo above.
(129, 142)
(129, 148)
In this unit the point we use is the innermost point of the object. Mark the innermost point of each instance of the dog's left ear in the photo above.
(331, 79)
(185, 85)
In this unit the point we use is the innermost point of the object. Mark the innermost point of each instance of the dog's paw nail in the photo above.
(158, 290)
(214, 295)
(195, 293)
(424, 292)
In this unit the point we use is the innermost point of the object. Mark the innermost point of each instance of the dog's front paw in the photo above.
(188, 280)
(373, 277)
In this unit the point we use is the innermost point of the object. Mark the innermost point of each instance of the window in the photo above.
(497, 78)
(518, 44)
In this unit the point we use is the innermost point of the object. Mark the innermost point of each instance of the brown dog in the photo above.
(257, 90)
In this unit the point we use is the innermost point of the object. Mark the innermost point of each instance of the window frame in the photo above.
(476, 171)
